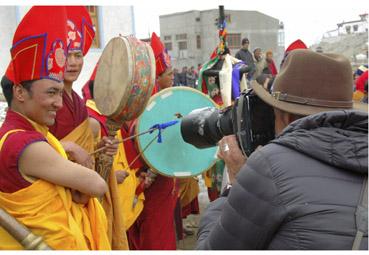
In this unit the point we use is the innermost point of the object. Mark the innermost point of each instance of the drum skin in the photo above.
(124, 79)
(173, 157)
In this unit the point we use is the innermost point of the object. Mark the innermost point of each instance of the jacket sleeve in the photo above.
(250, 215)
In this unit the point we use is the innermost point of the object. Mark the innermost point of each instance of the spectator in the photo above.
(191, 78)
(270, 62)
(261, 65)
(183, 76)
(300, 191)
(245, 55)
(176, 78)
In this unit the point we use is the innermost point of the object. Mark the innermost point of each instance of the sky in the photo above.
(306, 20)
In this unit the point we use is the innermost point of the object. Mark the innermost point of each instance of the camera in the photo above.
(250, 119)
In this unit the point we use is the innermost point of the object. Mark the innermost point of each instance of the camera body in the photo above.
(250, 119)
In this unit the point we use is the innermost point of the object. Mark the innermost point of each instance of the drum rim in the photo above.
(128, 42)
(152, 98)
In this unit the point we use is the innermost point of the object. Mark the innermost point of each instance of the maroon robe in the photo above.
(10, 178)
(70, 116)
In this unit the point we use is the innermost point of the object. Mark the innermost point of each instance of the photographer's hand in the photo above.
(232, 155)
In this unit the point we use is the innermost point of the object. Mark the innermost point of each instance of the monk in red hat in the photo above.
(72, 125)
(36, 178)
(154, 228)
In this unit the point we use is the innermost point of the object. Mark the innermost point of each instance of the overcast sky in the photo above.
(307, 19)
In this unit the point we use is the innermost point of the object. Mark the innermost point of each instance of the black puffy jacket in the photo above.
(298, 192)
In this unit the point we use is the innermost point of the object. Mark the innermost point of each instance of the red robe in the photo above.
(70, 116)
(10, 178)
(154, 228)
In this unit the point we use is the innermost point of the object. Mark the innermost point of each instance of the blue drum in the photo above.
(173, 156)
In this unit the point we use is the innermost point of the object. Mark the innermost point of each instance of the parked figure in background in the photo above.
(302, 190)
(39, 186)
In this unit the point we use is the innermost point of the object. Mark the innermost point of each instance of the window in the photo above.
(355, 27)
(168, 45)
(181, 37)
(167, 37)
(182, 45)
(198, 41)
(234, 41)
(348, 29)
(92, 10)
(198, 19)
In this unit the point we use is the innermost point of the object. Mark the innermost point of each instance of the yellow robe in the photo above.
(48, 211)
(132, 205)
(111, 200)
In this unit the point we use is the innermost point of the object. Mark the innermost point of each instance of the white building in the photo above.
(109, 22)
(350, 27)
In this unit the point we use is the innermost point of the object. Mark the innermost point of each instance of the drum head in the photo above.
(124, 79)
(173, 157)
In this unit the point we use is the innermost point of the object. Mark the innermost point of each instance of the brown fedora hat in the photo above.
(311, 82)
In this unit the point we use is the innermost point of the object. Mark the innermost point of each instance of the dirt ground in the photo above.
(189, 242)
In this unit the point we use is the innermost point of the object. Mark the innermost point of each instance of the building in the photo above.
(350, 27)
(105, 21)
(349, 38)
(191, 36)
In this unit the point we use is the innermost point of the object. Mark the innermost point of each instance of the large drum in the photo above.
(124, 79)
(173, 157)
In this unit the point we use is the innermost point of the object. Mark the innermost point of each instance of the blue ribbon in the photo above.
(161, 127)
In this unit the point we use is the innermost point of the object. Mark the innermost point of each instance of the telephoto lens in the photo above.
(204, 127)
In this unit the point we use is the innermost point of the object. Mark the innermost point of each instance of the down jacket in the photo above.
(298, 192)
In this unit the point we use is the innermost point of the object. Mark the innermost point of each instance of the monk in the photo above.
(72, 125)
(127, 174)
(154, 228)
(52, 196)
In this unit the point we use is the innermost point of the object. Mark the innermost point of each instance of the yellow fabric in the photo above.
(127, 189)
(358, 96)
(111, 202)
(91, 104)
(207, 178)
(188, 190)
(82, 135)
(48, 211)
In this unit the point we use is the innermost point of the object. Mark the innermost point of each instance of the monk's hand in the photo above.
(110, 144)
(232, 155)
(121, 175)
(77, 154)
(79, 197)
(149, 178)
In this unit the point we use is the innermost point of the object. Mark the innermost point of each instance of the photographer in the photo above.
(301, 191)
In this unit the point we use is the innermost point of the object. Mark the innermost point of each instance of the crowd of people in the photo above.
(304, 190)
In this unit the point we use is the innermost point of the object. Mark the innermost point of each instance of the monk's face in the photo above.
(165, 80)
(43, 101)
(74, 66)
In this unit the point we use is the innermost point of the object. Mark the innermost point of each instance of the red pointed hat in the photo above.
(10, 72)
(298, 44)
(39, 45)
(162, 58)
(80, 30)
